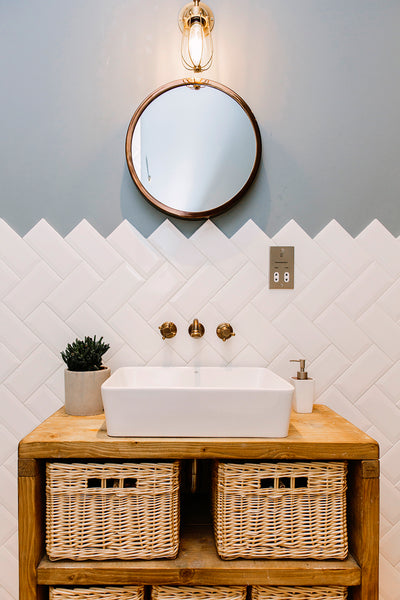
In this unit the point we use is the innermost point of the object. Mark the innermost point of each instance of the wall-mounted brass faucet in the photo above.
(224, 331)
(168, 330)
(196, 329)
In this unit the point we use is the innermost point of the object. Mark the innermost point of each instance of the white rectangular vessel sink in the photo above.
(196, 402)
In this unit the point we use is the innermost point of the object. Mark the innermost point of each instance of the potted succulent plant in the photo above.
(84, 375)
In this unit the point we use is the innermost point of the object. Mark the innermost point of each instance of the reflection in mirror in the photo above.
(193, 150)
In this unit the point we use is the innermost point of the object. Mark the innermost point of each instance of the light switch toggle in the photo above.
(281, 267)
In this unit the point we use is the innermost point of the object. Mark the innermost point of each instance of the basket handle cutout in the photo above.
(94, 483)
(301, 482)
(111, 482)
(268, 482)
(284, 482)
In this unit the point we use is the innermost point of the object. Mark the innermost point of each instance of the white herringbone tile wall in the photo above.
(343, 316)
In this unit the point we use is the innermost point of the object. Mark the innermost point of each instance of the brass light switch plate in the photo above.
(281, 267)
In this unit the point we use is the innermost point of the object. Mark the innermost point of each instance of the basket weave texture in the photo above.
(109, 511)
(97, 593)
(198, 592)
(284, 592)
(280, 510)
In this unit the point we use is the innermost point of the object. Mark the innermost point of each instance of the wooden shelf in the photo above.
(199, 564)
(317, 436)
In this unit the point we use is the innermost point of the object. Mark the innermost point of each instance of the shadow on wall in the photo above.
(255, 205)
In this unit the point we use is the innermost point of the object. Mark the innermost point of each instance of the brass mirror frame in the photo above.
(128, 149)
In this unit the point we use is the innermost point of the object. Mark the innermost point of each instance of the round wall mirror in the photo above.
(193, 149)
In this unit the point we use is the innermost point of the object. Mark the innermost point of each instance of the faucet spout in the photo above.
(196, 329)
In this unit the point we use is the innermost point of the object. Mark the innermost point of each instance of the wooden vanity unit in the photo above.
(322, 435)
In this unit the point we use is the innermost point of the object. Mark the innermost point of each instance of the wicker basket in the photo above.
(283, 592)
(280, 510)
(198, 592)
(109, 511)
(97, 593)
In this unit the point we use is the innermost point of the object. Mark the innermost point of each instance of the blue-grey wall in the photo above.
(321, 76)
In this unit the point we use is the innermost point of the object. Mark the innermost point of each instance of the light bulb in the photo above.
(196, 43)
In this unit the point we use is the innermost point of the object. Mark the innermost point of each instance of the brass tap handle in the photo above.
(224, 331)
(196, 329)
(168, 330)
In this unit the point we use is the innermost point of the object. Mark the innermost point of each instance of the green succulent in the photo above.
(85, 355)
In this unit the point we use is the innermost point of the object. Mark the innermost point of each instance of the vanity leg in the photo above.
(363, 524)
(31, 527)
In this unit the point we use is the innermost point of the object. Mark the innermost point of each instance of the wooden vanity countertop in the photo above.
(322, 434)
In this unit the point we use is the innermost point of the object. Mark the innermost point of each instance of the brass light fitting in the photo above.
(196, 22)
(196, 329)
(168, 330)
(224, 331)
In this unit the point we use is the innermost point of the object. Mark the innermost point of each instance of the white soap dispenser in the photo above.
(303, 396)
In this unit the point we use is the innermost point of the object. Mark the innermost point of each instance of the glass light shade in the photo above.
(196, 49)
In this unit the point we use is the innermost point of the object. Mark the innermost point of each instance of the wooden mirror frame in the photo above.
(128, 150)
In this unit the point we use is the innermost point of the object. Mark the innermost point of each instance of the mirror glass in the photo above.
(193, 150)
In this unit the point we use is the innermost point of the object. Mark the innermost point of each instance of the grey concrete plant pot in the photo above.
(82, 391)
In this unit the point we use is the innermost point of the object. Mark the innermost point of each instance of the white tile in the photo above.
(389, 580)
(322, 290)
(157, 290)
(15, 335)
(384, 526)
(55, 382)
(327, 368)
(8, 279)
(197, 291)
(115, 291)
(31, 290)
(211, 318)
(8, 525)
(32, 373)
(259, 333)
(239, 290)
(333, 398)
(11, 463)
(382, 246)
(12, 546)
(382, 412)
(220, 251)
(364, 290)
(136, 332)
(253, 242)
(8, 492)
(176, 248)
(308, 255)
(343, 332)
(382, 330)
(281, 364)
(15, 252)
(43, 403)
(8, 443)
(390, 301)
(52, 248)
(91, 246)
(390, 500)
(74, 290)
(9, 572)
(389, 382)
(167, 357)
(363, 373)
(51, 330)
(182, 344)
(207, 357)
(5, 595)
(125, 357)
(390, 464)
(342, 248)
(16, 417)
(85, 321)
(248, 357)
(301, 332)
(135, 249)
(8, 362)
